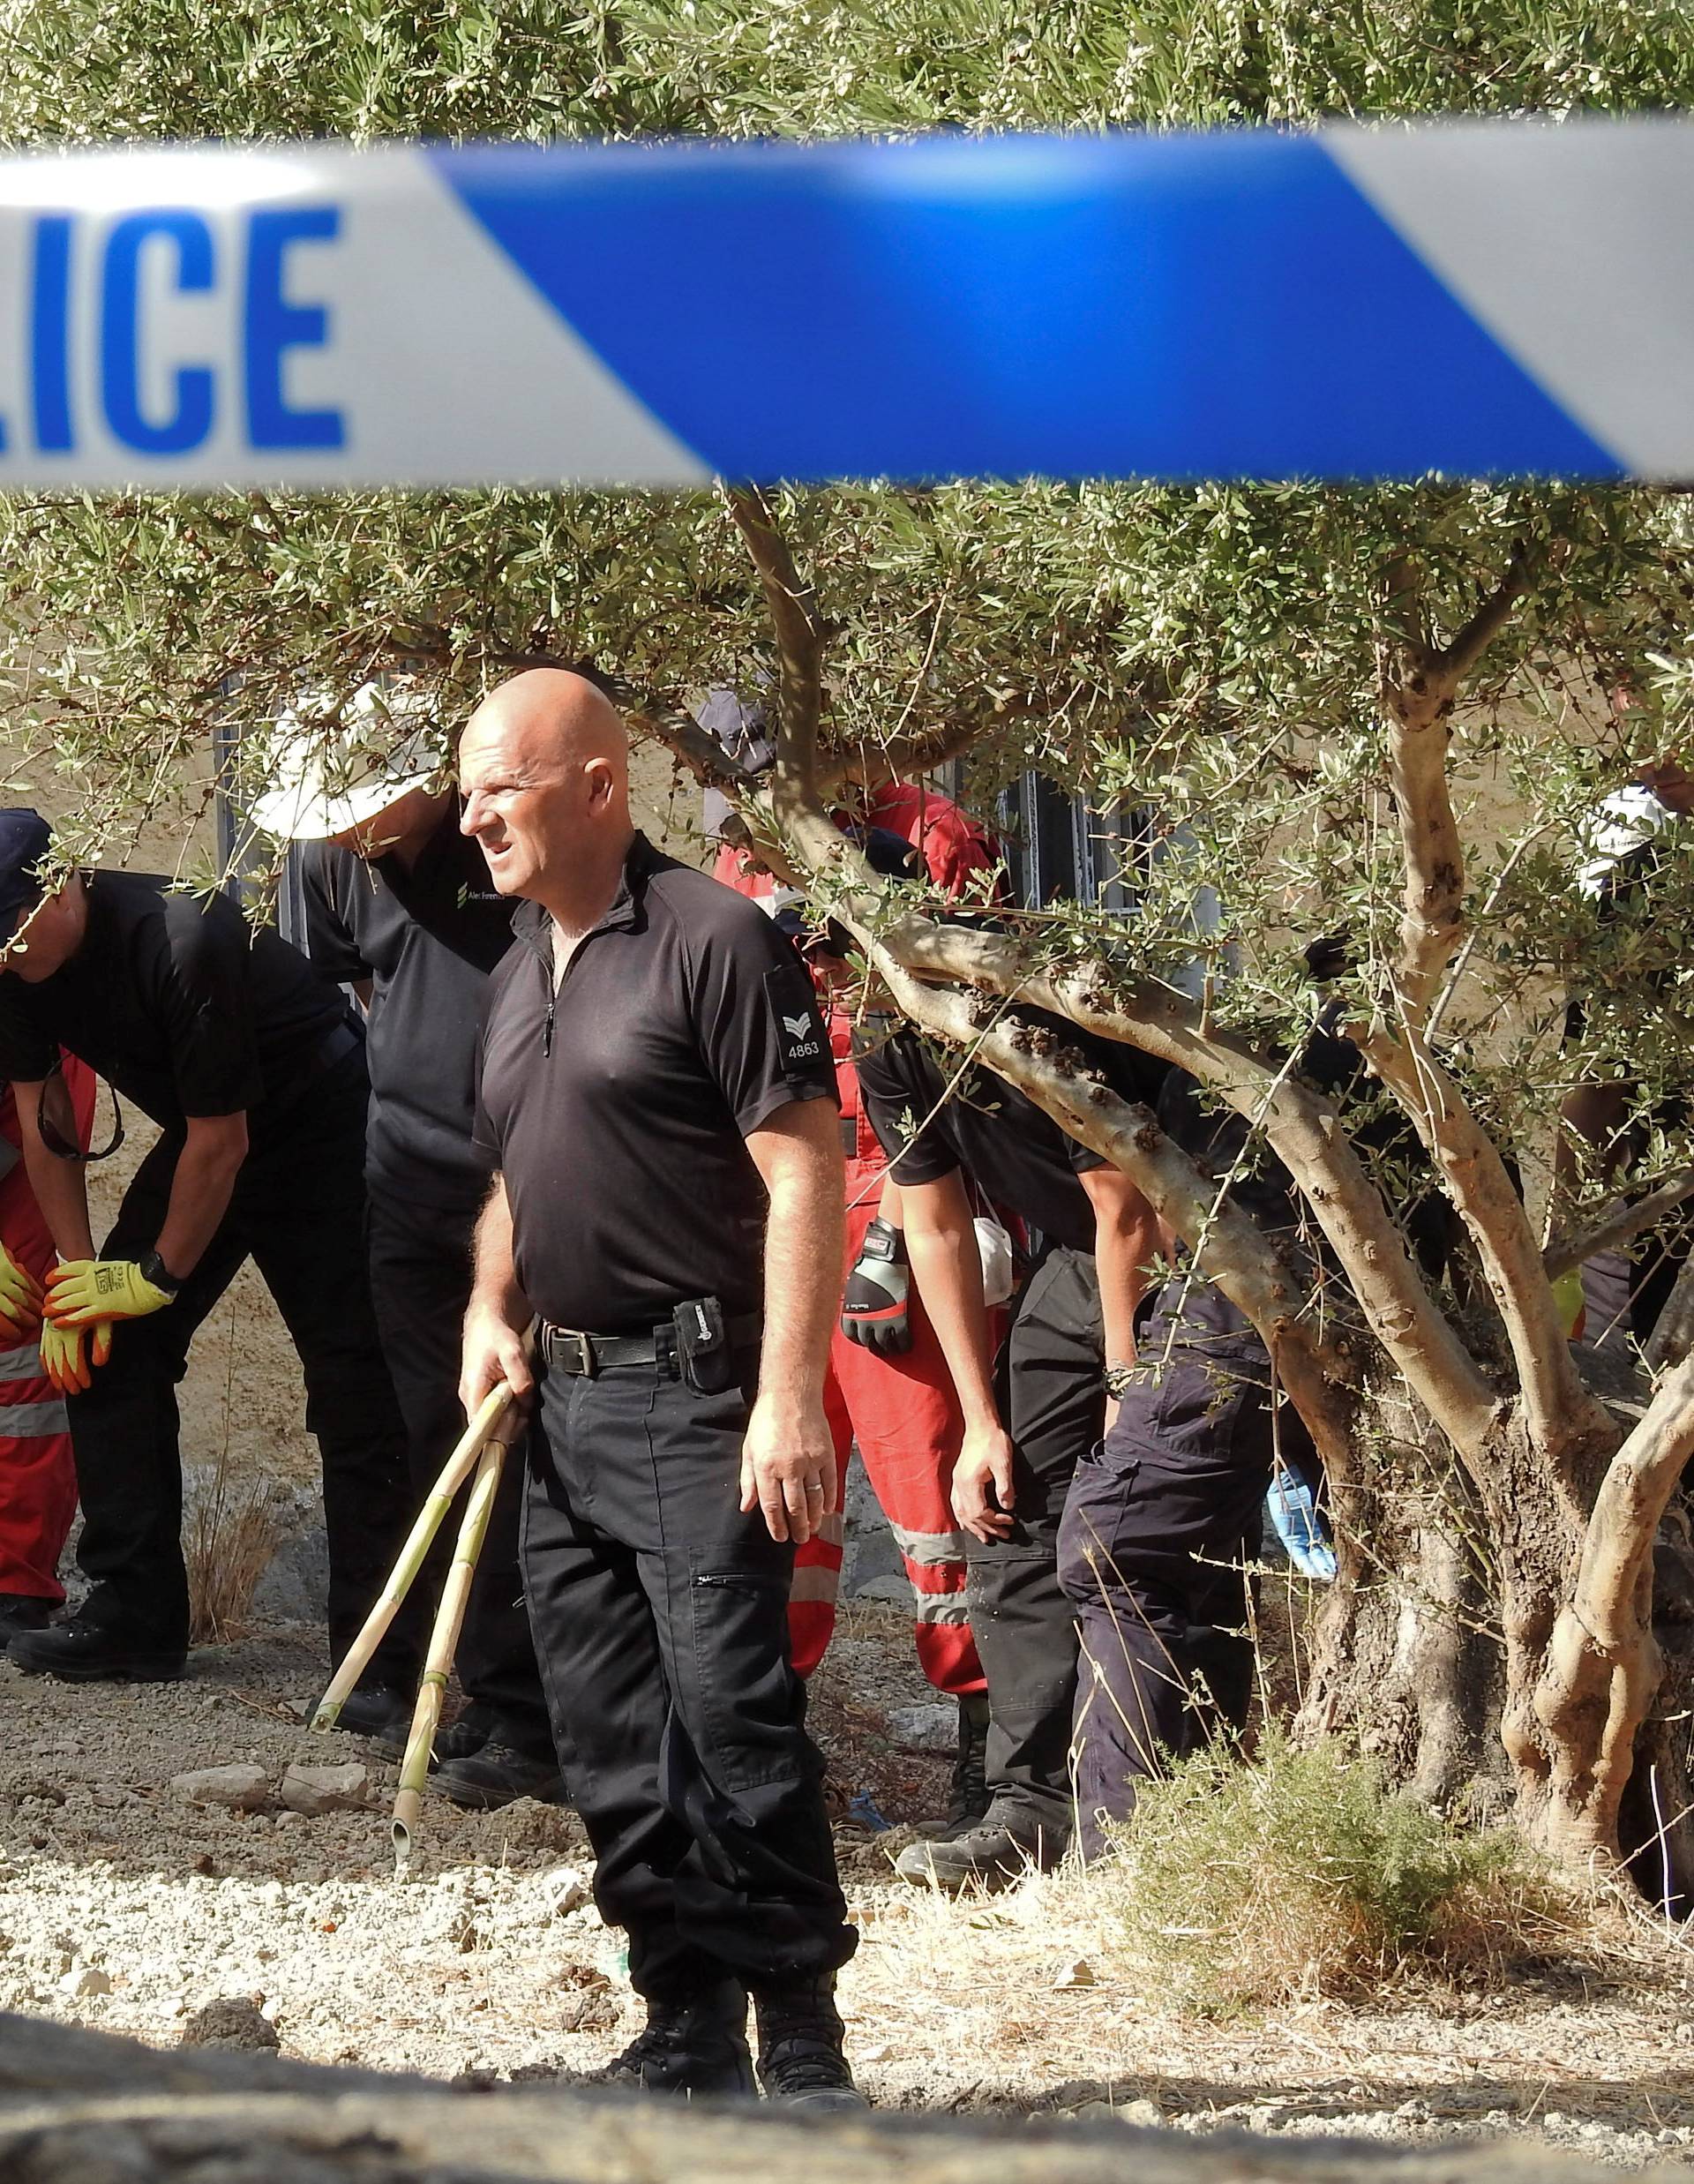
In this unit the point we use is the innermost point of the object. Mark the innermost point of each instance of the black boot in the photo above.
(381, 1713)
(968, 1797)
(695, 2047)
(469, 1734)
(81, 1651)
(23, 1611)
(494, 1776)
(800, 2058)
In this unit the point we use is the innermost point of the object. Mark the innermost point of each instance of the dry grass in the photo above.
(234, 1527)
(1299, 1876)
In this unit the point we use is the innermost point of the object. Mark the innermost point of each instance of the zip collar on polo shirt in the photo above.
(533, 923)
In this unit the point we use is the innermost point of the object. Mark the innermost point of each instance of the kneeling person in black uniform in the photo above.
(658, 1095)
(252, 1068)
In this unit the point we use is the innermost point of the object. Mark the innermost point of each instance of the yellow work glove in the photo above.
(68, 1367)
(85, 1291)
(1567, 1295)
(20, 1301)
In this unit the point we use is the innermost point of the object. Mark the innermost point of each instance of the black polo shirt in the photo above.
(180, 1005)
(1013, 1150)
(618, 1107)
(426, 939)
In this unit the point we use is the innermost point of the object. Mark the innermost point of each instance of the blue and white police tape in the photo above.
(1511, 299)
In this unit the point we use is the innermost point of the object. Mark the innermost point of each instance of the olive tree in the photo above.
(1382, 714)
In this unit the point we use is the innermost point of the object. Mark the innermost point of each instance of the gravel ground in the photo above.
(125, 1908)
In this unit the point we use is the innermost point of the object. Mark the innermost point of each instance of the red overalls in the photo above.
(38, 1479)
(901, 1411)
(904, 1414)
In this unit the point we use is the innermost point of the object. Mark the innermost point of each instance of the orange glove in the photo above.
(68, 1365)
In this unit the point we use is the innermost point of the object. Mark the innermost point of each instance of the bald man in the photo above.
(658, 1100)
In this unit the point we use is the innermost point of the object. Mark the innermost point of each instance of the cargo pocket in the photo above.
(750, 1733)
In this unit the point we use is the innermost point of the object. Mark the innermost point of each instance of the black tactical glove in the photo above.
(874, 1309)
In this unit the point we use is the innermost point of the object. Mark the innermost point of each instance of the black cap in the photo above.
(24, 840)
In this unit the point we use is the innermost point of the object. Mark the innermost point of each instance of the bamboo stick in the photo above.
(444, 1642)
(454, 1472)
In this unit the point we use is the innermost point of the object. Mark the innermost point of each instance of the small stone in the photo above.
(880, 2054)
(1145, 2113)
(567, 1889)
(239, 1789)
(233, 2020)
(1079, 1973)
(924, 1727)
(89, 1979)
(314, 1791)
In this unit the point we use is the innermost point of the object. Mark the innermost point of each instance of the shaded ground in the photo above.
(123, 1908)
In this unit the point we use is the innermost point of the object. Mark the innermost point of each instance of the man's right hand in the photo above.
(494, 1351)
(21, 1302)
(983, 1491)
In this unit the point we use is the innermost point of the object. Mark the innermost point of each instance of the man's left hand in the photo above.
(84, 1291)
(788, 1469)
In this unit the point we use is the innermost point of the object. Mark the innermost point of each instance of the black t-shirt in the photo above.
(1014, 1150)
(616, 1108)
(180, 1005)
(427, 940)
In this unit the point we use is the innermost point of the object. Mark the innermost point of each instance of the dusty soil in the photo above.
(125, 1910)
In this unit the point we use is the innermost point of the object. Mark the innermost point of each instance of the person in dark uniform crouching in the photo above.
(400, 906)
(252, 1068)
(658, 1096)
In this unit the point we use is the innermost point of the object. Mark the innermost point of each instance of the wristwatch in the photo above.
(154, 1270)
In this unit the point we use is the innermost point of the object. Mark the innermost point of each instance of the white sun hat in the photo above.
(331, 771)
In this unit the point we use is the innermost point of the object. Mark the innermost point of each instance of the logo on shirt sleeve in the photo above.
(799, 1027)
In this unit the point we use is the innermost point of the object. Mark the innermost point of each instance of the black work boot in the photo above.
(469, 1733)
(23, 1611)
(494, 1775)
(800, 2058)
(969, 1798)
(380, 1712)
(695, 2047)
(85, 1651)
(1006, 1844)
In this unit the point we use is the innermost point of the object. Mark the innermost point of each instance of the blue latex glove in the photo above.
(1300, 1526)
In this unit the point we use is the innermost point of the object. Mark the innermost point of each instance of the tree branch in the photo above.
(1417, 687)
(1564, 1254)
(1227, 1247)
(1603, 1664)
(792, 604)
(1564, 1419)
(1302, 1128)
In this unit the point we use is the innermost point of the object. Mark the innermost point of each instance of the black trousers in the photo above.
(1054, 1400)
(660, 1615)
(298, 1210)
(420, 1283)
(1156, 1526)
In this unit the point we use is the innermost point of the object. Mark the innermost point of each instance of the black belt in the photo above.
(571, 1350)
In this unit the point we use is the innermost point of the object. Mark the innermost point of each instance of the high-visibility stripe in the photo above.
(21, 1365)
(32, 1422)
(940, 1608)
(928, 1547)
(816, 1582)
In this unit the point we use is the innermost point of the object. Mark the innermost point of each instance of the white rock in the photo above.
(318, 1789)
(924, 1727)
(567, 1890)
(239, 1789)
(89, 1980)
